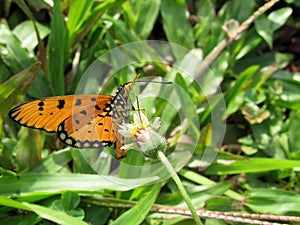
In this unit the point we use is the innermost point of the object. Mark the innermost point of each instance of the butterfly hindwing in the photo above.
(90, 126)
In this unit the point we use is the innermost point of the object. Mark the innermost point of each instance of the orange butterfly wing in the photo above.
(83, 121)
(46, 114)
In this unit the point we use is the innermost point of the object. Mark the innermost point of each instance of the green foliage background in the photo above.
(257, 167)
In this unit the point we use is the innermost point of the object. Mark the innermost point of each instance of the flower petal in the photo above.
(156, 123)
(129, 146)
(127, 130)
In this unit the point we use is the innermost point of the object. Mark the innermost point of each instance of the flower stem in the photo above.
(180, 186)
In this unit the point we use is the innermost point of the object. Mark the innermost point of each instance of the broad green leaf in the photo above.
(13, 54)
(13, 90)
(95, 214)
(176, 25)
(30, 183)
(250, 165)
(138, 213)
(266, 25)
(147, 16)
(273, 201)
(70, 200)
(280, 16)
(26, 33)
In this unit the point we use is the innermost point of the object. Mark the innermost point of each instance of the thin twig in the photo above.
(228, 216)
(212, 56)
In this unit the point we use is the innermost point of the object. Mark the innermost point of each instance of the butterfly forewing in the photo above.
(48, 113)
(45, 114)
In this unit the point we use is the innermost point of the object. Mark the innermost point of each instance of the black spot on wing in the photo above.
(78, 102)
(61, 104)
(41, 103)
(83, 112)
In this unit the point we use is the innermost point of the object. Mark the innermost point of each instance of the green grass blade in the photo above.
(78, 11)
(53, 183)
(141, 16)
(250, 165)
(138, 213)
(199, 179)
(53, 215)
(57, 46)
(44, 212)
(233, 96)
(175, 23)
(4, 201)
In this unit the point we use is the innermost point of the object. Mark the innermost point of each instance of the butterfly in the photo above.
(82, 121)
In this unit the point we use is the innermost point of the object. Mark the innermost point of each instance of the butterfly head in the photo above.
(123, 91)
(128, 86)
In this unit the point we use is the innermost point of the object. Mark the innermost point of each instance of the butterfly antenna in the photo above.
(154, 81)
(137, 104)
(135, 80)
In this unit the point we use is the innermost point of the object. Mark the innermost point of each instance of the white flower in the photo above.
(144, 136)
